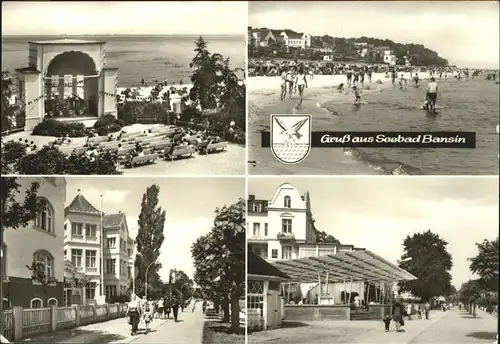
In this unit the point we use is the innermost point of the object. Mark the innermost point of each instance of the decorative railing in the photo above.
(22, 323)
(285, 236)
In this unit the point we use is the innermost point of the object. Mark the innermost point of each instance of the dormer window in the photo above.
(287, 202)
(257, 207)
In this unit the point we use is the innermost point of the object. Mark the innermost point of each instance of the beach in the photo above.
(465, 105)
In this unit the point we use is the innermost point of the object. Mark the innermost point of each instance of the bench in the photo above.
(181, 152)
(77, 150)
(213, 147)
(130, 137)
(97, 139)
(114, 149)
(150, 139)
(141, 160)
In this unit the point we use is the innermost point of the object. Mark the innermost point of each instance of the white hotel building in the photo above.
(283, 228)
(82, 247)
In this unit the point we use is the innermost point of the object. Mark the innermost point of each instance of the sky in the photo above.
(134, 17)
(464, 32)
(378, 213)
(188, 202)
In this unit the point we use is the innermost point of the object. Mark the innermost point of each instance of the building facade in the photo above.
(82, 248)
(296, 40)
(66, 78)
(42, 240)
(282, 229)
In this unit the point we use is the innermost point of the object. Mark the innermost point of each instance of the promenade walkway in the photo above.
(189, 329)
(451, 327)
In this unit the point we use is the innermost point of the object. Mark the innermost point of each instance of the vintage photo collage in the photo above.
(229, 172)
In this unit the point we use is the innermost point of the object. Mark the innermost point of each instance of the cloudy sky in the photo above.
(378, 213)
(189, 203)
(134, 17)
(464, 32)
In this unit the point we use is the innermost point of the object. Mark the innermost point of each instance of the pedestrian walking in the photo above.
(427, 309)
(397, 315)
(168, 307)
(161, 308)
(133, 313)
(147, 312)
(175, 307)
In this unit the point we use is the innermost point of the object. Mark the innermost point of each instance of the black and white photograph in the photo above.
(133, 88)
(372, 260)
(121, 260)
(357, 66)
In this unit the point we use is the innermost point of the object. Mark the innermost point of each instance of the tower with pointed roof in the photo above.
(82, 246)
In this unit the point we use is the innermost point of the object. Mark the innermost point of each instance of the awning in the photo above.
(360, 265)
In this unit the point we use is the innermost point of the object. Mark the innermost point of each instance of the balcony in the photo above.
(285, 236)
(256, 238)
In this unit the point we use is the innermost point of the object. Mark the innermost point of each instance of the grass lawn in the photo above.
(215, 332)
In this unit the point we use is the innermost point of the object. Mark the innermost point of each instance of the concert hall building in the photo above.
(67, 80)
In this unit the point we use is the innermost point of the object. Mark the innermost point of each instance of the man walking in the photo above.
(175, 307)
(427, 310)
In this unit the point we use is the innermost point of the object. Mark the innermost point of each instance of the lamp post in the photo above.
(146, 278)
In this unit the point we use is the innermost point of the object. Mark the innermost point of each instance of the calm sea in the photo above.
(137, 57)
(465, 106)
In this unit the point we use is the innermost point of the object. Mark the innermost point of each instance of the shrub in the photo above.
(52, 127)
(50, 160)
(107, 124)
(12, 151)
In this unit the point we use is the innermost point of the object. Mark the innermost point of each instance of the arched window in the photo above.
(47, 260)
(288, 202)
(44, 220)
(36, 303)
(52, 302)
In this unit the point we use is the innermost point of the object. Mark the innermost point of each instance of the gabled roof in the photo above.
(81, 205)
(259, 267)
(113, 220)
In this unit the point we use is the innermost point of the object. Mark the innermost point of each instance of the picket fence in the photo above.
(22, 323)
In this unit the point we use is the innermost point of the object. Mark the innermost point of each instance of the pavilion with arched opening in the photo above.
(68, 80)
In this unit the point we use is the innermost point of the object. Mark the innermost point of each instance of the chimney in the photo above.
(79, 191)
(251, 198)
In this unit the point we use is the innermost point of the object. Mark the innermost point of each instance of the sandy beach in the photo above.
(260, 83)
(324, 103)
(231, 161)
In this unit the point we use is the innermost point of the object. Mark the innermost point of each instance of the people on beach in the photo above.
(349, 77)
(301, 83)
(393, 76)
(357, 95)
(340, 87)
(311, 74)
(432, 93)
(427, 309)
(289, 80)
(401, 81)
(283, 85)
(415, 79)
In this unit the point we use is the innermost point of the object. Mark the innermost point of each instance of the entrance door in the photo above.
(273, 309)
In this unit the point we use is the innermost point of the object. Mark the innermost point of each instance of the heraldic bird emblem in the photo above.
(293, 132)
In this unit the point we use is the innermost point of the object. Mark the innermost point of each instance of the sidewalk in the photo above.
(412, 329)
(113, 331)
(188, 330)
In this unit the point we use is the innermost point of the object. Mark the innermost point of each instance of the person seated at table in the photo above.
(120, 148)
(110, 137)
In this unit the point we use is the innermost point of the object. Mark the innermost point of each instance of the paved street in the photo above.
(452, 327)
(189, 329)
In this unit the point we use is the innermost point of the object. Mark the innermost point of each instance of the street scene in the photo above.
(372, 260)
(122, 260)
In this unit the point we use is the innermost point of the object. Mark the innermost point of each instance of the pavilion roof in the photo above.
(360, 265)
